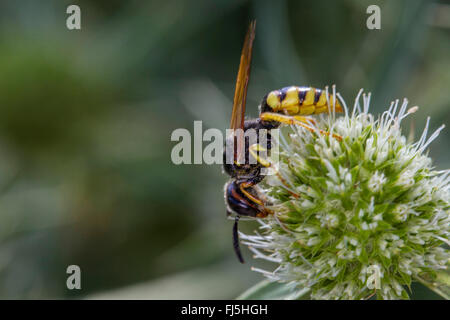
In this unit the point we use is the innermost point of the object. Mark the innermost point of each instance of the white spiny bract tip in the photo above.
(369, 213)
(413, 109)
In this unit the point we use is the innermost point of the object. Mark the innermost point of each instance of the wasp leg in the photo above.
(253, 149)
(298, 120)
(248, 184)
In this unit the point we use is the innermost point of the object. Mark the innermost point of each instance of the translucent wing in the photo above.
(240, 93)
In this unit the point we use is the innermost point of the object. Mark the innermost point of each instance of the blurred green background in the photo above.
(86, 117)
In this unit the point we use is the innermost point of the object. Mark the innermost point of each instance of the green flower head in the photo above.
(357, 217)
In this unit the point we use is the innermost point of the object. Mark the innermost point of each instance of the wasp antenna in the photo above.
(236, 247)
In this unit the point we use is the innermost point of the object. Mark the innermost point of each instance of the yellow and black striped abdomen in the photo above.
(295, 100)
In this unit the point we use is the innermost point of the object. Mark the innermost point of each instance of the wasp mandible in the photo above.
(290, 105)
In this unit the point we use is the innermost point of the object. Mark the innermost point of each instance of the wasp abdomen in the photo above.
(295, 100)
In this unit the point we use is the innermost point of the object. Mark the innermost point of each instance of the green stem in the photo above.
(441, 285)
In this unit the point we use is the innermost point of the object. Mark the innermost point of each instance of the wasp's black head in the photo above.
(238, 203)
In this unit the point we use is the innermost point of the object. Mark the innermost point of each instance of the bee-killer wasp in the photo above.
(290, 105)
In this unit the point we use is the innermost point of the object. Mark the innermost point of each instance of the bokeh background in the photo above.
(86, 117)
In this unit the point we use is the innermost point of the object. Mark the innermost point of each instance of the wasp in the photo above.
(291, 106)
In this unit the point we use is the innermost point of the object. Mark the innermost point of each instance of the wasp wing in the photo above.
(240, 93)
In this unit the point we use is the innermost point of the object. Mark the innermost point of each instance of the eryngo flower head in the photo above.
(357, 217)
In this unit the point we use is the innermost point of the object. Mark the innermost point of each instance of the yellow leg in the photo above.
(262, 214)
(297, 120)
(246, 185)
(253, 149)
